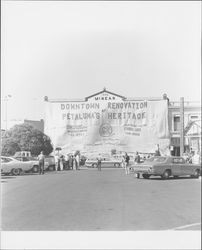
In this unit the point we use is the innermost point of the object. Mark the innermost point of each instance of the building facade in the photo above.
(192, 127)
(39, 125)
(106, 121)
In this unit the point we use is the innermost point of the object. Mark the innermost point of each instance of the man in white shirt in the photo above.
(196, 158)
(56, 162)
(77, 161)
(41, 159)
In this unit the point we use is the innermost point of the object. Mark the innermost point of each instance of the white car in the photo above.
(106, 162)
(10, 165)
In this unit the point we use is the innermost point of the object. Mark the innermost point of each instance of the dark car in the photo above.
(49, 163)
(83, 160)
(166, 166)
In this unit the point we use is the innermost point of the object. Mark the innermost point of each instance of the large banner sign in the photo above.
(107, 122)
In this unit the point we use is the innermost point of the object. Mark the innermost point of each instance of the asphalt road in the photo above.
(99, 201)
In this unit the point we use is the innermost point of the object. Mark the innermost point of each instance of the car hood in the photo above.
(33, 162)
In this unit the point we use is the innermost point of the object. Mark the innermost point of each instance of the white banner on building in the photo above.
(102, 124)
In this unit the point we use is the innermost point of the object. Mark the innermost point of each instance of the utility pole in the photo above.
(181, 126)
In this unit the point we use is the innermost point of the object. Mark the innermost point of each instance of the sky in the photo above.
(74, 49)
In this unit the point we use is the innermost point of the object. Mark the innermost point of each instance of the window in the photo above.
(159, 159)
(178, 160)
(156, 159)
(176, 123)
(194, 117)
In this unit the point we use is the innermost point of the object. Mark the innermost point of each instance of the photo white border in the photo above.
(101, 240)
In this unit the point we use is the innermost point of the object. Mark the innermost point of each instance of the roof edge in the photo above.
(106, 91)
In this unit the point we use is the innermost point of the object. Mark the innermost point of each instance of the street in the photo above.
(99, 201)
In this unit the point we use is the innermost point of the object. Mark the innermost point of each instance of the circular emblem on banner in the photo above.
(105, 130)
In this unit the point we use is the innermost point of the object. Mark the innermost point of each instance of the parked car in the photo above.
(82, 160)
(106, 162)
(49, 163)
(10, 165)
(166, 166)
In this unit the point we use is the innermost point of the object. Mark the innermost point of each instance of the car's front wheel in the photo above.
(16, 171)
(196, 174)
(117, 165)
(146, 176)
(94, 165)
(51, 168)
(35, 169)
(166, 174)
(137, 175)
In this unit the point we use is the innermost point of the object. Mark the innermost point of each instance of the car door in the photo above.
(106, 162)
(4, 164)
(9, 164)
(176, 167)
(188, 169)
(185, 168)
(26, 165)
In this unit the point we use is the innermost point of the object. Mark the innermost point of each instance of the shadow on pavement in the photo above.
(7, 177)
(169, 179)
(33, 174)
(4, 178)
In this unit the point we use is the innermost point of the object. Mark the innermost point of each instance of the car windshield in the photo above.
(156, 159)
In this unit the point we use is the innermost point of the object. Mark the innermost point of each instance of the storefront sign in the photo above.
(102, 125)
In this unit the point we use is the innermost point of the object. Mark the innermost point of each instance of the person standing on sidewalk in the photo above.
(99, 162)
(62, 162)
(196, 158)
(74, 162)
(41, 159)
(77, 161)
(127, 159)
(56, 162)
(137, 158)
(67, 162)
(124, 164)
(71, 162)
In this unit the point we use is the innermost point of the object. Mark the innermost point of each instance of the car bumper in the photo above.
(143, 171)
(5, 172)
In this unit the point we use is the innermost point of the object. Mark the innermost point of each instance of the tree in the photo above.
(9, 147)
(24, 137)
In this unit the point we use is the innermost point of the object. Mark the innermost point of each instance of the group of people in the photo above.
(62, 162)
(125, 162)
(67, 162)
(137, 160)
(72, 162)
